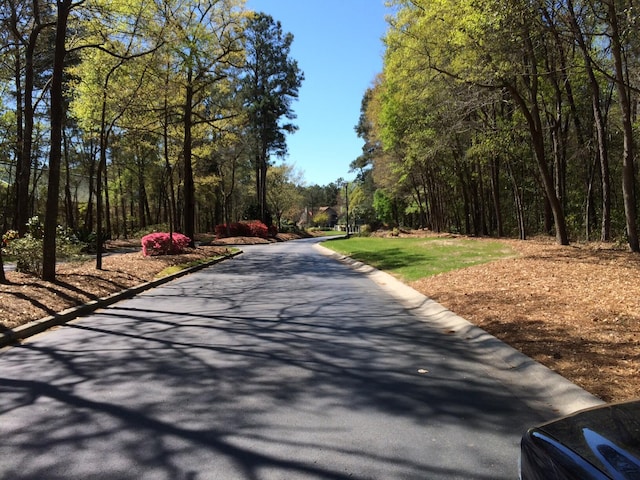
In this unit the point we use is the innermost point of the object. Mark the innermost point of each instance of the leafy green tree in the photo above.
(24, 25)
(271, 82)
(578, 23)
(621, 20)
(205, 46)
(283, 194)
(101, 107)
(489, 44)
(383, 206)
(321, 219)
(57, 115)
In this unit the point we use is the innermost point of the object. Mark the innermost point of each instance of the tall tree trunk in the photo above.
(532, 115)
(21, 198)
(264, 164)
(189, 187)
(101, 166)
(169, 172)
(143, 219)
(601, 135)
(3, 278)
(123, 204)
(517, 196)
(107, 205)
(624, 99)
(89, 218)
(25, 120)
(68, 198)
(495, 193)
(55, 152)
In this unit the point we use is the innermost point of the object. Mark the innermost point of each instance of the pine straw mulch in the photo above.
(25, 298)
(574, 309)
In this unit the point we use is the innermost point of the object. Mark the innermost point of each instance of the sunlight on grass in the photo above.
(183, 266)
(413, 258)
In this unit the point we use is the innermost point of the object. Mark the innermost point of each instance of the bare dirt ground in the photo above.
(574, 309)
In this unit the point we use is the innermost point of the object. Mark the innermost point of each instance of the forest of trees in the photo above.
(116, 116)
(490, 117)
(494, 117)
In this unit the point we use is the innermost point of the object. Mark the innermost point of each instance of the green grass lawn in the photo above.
(413, 258)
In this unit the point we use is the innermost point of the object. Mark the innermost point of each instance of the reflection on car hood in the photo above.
(607, 436)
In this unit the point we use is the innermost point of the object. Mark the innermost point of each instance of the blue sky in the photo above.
(338, 46)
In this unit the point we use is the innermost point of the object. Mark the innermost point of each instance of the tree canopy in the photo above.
(489, 117)
(132, 114)
(480, 122)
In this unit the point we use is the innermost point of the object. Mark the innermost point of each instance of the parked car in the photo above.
(599, 443)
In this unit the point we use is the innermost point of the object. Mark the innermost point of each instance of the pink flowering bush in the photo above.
(253, 228)
(161, 243)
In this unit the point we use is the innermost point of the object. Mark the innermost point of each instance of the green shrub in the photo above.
(9, 236)
(27, 251)
(365, 231)
(28, 254)
(35, 228)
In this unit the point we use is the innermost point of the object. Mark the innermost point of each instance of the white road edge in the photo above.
(515, 370)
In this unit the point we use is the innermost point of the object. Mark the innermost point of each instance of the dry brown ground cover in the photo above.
(575, 309)
(25, 298)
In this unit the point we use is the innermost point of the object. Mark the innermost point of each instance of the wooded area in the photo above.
(115, 116)
(490, 117)
(495, 117)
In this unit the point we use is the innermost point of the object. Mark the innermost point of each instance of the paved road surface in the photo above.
(279, 364)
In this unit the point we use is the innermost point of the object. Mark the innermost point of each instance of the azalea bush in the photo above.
(162, 243)
(253, 228)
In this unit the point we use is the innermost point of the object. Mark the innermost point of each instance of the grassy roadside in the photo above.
(411, 259)
(183, 266)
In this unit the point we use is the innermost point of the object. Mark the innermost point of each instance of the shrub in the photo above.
(258, 229)
(9, 236)
(35, 228)
(162, 243)
(289, 227)
(87, 239)
(230, 230)
(27, 251)
(253, 228)
(28, 254)
(365, 231)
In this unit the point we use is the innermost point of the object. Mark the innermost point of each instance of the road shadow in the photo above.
(268, 382)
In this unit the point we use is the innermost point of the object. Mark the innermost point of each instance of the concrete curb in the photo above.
(14, 335)
(514, 369)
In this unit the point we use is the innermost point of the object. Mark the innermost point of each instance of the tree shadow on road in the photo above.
(307, 381)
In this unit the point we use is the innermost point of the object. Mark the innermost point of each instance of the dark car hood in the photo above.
(607, 436)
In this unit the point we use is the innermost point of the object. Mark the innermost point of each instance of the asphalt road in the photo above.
(279, 364)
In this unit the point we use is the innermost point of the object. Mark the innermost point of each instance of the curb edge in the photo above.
(12, 336)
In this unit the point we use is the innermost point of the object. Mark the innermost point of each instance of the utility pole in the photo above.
(346, 196)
